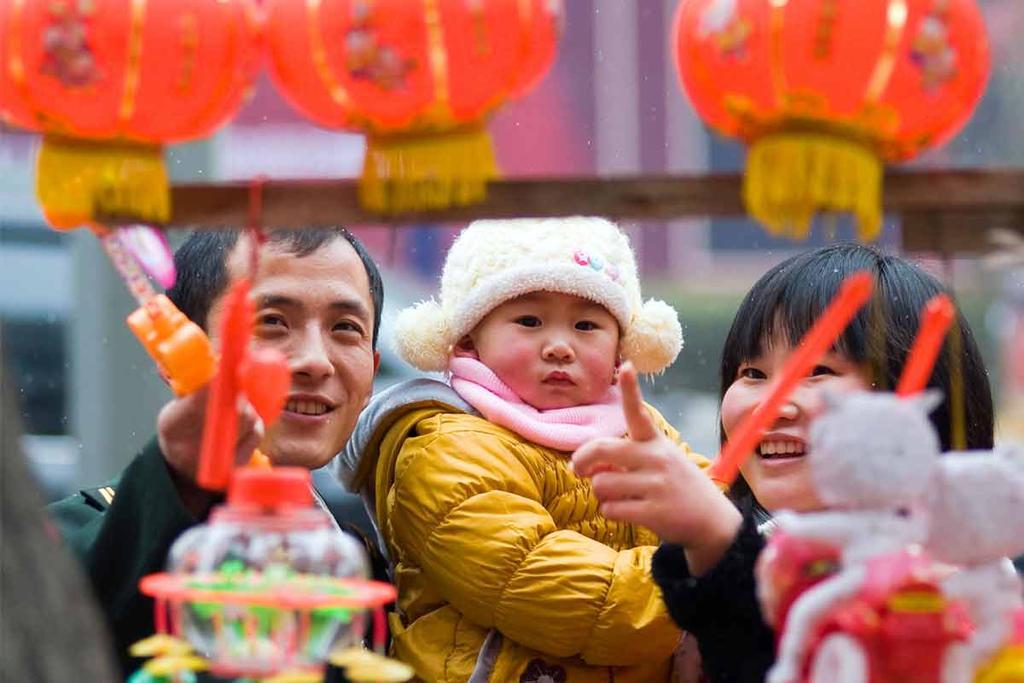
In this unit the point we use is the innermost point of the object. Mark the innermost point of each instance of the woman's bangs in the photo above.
(786, 309)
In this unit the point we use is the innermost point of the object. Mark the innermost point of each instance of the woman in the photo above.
(705, 568)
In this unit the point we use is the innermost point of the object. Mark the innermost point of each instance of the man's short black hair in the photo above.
(201, 262)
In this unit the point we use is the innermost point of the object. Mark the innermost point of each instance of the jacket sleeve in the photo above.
(467, 512)
(126, 541)
(720, 608)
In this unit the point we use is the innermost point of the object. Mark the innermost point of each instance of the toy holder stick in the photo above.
(262, 377)
(132, 275)
(938, 315)
(853, 294)
(220, 431)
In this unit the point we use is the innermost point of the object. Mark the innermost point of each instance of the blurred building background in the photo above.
(611, 105)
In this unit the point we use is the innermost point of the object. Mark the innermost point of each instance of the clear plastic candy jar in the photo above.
(270, 584)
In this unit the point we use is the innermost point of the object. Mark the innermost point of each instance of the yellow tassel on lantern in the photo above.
(77, 180)
(791, 176)
(410, 173)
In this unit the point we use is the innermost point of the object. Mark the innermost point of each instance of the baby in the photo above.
(505, 568)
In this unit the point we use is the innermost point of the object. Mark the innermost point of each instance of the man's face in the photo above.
(318, 312)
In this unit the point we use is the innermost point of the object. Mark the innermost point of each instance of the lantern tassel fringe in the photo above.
(76, 181)
(424, 172)
(791, 176)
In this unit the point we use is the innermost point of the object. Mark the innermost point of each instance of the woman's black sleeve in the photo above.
(720, 607)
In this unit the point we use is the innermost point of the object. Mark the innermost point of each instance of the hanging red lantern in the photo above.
(825, 91)
(109, 81)
(418, 78)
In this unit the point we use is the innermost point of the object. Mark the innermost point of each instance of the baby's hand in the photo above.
(644, 479)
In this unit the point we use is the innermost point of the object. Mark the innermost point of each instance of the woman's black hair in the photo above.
(787, 300)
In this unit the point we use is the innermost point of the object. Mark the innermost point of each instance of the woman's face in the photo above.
(777, 471)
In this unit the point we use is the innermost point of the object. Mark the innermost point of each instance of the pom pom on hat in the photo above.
(422, 336)
(654, 338)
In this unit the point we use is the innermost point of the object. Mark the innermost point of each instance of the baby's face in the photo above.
(553, 350)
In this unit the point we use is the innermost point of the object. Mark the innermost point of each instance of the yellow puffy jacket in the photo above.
(495, 539)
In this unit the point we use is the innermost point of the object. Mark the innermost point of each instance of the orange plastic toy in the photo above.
(179, 347)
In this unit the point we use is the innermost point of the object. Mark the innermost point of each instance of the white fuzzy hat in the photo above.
(493, 261)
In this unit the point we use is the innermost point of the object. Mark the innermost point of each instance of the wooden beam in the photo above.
(952, 212)
(941, 209)
(957, 231)
(290, 203)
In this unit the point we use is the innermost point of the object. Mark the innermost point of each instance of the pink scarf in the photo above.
(564, 429)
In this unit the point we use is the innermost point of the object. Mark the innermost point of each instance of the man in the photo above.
(318, 298)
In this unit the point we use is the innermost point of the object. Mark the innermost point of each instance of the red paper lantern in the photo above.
(418, 78)
(825, 90)
(109, 81)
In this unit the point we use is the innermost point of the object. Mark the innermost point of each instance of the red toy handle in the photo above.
(220, 432)
(261, 375)
(853, 294)
(938, 315)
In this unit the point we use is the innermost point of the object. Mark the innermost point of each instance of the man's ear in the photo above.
(376, 362)
(465, 348)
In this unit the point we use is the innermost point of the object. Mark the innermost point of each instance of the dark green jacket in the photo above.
(121, 532)
(124, 530)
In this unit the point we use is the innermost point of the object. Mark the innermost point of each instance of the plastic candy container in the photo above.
(269, 584)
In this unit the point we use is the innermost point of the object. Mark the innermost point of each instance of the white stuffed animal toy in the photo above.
(976, 510)
(871, 458)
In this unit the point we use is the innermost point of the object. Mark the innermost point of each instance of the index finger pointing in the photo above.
(638, 420)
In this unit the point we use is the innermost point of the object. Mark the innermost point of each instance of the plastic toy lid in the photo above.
(299, 592)
(271, 488)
